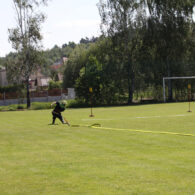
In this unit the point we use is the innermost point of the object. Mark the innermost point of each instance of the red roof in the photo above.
(59, 64)
(56, 66)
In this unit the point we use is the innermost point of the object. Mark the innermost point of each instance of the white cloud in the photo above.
(78, 23)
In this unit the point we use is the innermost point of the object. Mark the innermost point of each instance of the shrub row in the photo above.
(43, 105)
(11, 88)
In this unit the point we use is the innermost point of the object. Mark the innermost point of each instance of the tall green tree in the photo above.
(26, 39)
(170, 24)
(76, 61)
(121, 20)
(90, 76)
(101, 69)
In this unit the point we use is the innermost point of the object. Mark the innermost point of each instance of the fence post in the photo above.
(164, 96)
(4, 97)
(47, 96)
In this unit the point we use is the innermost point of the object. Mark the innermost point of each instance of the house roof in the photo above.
(56, 66)
(59, 64)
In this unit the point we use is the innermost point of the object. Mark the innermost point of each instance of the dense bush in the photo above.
(12, 107)
(43, 105)
(40, 105)
(11, 88)
(76, 104)
(34, 106)
(55, 85)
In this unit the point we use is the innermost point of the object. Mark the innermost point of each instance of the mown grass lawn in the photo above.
(38, 158)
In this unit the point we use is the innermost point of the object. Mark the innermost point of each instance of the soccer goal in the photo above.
(173, 78)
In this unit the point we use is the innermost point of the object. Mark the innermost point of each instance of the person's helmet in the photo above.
(64, 102)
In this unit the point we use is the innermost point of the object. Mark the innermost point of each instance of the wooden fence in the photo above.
(33, 94)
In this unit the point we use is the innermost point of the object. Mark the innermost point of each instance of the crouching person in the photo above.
(59, 107)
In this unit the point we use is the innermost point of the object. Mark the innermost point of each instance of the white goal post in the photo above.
(168, 78)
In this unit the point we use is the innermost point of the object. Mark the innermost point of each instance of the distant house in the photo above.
(38, 79)
(58, 67)
(3, 77)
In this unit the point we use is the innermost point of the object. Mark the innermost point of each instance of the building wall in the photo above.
(3, 78)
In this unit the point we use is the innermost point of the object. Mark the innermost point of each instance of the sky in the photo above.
(66, 20)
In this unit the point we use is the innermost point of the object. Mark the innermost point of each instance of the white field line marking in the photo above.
(148, 117)
(179, 115)
(96, 119)
(138, 117)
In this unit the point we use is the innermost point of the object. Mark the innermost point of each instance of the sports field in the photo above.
(38, 158)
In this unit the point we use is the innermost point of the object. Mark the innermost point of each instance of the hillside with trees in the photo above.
(141, 42)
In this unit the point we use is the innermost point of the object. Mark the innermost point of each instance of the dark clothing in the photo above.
(57, 115)
(58, 108)
(57, 112)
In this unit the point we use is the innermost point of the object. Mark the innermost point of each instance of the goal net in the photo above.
(183, 88)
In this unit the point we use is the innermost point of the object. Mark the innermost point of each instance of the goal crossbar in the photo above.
(171, 78)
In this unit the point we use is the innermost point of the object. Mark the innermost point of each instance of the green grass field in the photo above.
(38, 158)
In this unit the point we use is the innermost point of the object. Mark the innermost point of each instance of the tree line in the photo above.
(142, 41)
